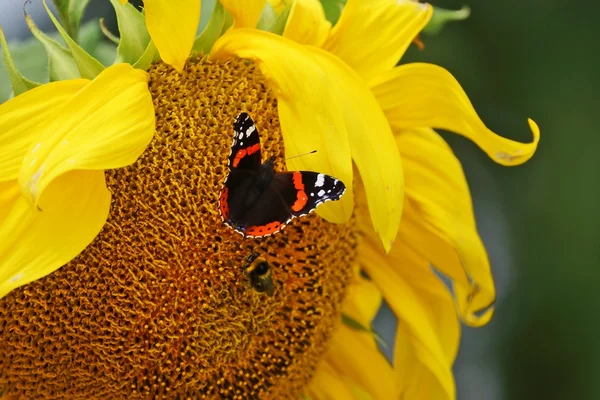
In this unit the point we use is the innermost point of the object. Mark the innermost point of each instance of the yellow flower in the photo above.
(117, 276)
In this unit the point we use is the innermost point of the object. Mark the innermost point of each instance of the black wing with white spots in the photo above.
(245, 149)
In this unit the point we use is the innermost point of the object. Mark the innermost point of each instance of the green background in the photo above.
(540, 221)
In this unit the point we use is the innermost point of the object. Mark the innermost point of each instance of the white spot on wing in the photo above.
(321, 193)
(250, 130)
(320, 180)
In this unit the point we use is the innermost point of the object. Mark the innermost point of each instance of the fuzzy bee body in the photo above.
(258, 270)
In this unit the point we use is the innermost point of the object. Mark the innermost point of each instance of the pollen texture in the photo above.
(158, 307)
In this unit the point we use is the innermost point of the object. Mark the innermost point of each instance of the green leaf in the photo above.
(88, 66)
(266, 18)
(206, 10)
(149, 56)
(333, 9)
(354, 324)
(61, 64)
(228, 22)
(70, 12)
(132, 29)
(211, 33)
(108, 34)
(18, 82)
(271, 22)
(441, 16)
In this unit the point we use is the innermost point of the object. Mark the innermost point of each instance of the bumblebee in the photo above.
(258, 270)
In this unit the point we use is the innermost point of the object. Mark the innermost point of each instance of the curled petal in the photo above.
(318, 97)
(425, 95)
(21, 117)
(306, 23)
(36, 242)
(439, 223)
(245, 12)
(371, 36)
(172, 26)
(107, 124)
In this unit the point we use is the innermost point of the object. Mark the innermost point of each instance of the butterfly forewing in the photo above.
(245, 149)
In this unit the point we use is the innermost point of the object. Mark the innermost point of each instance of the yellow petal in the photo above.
(414, 316)
(306, 23)
(35, 243)
(107, 124)
(172, 26)
(277, 5)
(328, 384)
(362, 301)
(20, 117)
(415, 380)
(355, 356)
(362, 304)
(425, 95)
(371, 36)
(439, 223)
(245, 12)
(324, 105)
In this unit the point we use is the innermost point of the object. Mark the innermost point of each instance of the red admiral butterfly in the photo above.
(255, 200)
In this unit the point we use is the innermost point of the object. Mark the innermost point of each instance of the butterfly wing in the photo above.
(244, 163)
(245, 149)
(290, 195)
(305, 190)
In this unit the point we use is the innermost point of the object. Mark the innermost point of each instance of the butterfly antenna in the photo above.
(301, 155)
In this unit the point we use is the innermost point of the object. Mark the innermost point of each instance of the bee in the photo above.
(258, 270)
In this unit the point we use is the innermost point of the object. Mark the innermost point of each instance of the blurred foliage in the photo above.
(31, 59)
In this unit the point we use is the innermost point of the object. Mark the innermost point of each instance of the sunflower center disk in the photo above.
(158, 305)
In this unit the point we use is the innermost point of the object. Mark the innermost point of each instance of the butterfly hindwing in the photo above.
(245, 150)
(305, 190)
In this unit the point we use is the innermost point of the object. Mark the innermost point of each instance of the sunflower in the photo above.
(118, 277)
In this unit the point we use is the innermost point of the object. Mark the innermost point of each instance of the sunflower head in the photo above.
(118, 277)
(162, 287)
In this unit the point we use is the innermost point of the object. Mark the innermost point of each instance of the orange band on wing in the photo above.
(297, 178)
(245, 152)
(262, 230)
(301, 197)
(300, 202)
(223, 204)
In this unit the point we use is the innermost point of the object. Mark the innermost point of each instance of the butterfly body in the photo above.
(256, 200)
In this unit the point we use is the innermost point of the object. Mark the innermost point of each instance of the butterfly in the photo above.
(256, 200)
